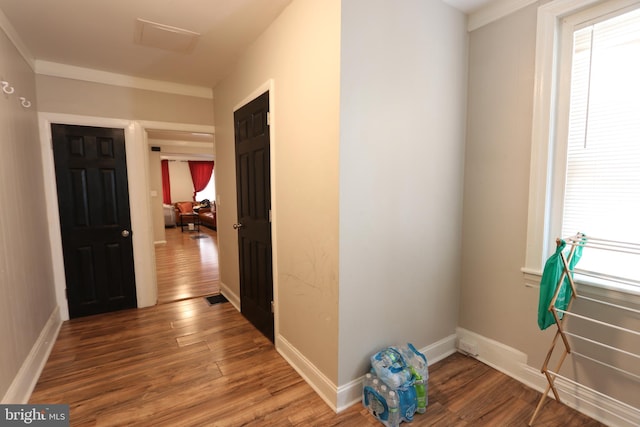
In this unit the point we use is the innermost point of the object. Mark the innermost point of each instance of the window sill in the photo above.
(598, 289)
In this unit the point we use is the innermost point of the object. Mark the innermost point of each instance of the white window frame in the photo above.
(544, 212)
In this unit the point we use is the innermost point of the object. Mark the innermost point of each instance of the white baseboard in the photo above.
(512, 362)
(233, 298)
(160, 242)
(495, 354)
(440, 349)
(598, 406)
(346, 395)
(325, 388)
(349, 394)
(25, 380)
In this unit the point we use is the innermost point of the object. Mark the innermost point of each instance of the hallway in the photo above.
(187, 265)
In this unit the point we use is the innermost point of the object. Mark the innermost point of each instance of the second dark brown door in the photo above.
(253, 180)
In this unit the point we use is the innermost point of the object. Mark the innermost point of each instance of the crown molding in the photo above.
(12, 35)
(55, 69)
(494, 11)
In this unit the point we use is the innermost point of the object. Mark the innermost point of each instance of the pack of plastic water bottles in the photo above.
(397, 386)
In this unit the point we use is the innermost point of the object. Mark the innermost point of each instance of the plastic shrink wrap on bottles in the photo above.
(419, 368)
(391, 368)
(394, 409)
(375, 400)
(405, 371)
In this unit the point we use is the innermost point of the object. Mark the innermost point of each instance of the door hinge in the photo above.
(268, 118)
(269, 215)
(66, 293)
(272, 309)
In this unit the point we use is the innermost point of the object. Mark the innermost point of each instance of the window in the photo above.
(209, 191)
(602, 180)
(586, 138)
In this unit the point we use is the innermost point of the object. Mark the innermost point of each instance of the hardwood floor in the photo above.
(191, 364)
(187, 267)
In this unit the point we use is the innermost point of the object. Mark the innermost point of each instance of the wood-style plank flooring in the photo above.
(187, 265)
(191, 364)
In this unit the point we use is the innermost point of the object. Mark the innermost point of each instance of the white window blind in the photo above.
(602, 188)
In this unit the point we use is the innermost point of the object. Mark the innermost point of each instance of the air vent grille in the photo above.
(165, 37)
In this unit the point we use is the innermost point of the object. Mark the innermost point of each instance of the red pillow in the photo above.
(185, 207)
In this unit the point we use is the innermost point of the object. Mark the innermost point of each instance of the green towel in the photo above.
(550, 276)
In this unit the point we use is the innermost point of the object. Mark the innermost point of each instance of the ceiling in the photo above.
(468, 6)
(197, 145)
(205, 139)
(104, 34)
(101, 34)
(194, 42)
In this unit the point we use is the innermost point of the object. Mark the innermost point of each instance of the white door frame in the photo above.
(270, 86)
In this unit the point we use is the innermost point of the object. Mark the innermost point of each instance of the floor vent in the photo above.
(216, 299)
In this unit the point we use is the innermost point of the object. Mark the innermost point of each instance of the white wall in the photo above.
(402, 130)
(299, 54)
(501, 67)
(69, 96)
(181, 182)
(26, 279)
(372, 136)
(70, 101)
(155, 189)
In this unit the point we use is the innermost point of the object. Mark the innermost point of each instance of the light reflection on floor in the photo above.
(187, 267)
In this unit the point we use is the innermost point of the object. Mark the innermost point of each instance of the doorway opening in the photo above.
(186, 253)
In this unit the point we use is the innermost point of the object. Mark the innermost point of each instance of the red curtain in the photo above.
(166, 183)
(200, 174)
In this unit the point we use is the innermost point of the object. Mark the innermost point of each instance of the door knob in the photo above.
(125, 233)
(237, 226)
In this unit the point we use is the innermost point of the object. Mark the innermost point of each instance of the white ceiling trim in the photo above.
(186, 157)
(494, 11)
(179, 143)
(96, 76)
(180, 127)
(12, 34)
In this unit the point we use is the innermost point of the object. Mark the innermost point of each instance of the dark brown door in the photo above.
(93, 198)
(254, 205)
